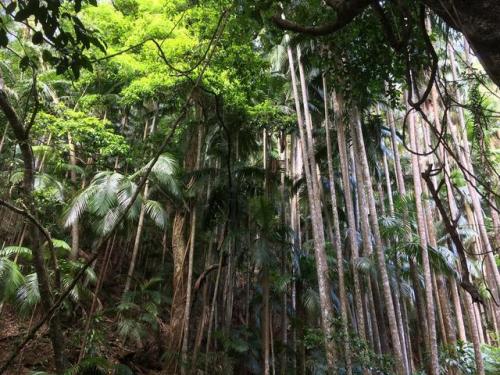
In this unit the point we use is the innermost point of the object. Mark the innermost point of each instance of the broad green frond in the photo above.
(11, 278)
(155, 211)
(16, 251)
(28, 294)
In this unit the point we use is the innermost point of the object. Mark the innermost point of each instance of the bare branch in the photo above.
(345, 11)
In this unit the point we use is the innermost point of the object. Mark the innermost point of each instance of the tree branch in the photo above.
(465, 281)
(44, 232)
(345, 11)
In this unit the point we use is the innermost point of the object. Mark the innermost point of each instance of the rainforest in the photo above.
(250, 187)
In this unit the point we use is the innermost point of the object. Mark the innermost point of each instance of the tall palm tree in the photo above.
(357, 137)
(309, 165)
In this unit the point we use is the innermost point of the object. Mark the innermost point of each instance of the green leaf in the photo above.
(11, 278)
(60, 244)
(156, 212)
(16, 250)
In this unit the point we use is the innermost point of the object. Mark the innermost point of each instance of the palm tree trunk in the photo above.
(431, 323)
(192, 239)
(137, 242)
(314, 201)
(469, 307)
(422, 318)
(213, 304)
(388, 186)
(318, 227)
(75, 234)
(284, 155)
(140, 226)
(357, 136)
(366, 236)
(265, 316)
(353, 241)
(336, 234)
(397, 158)
(300, 313)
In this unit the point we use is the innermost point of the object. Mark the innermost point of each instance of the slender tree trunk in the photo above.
(476, 204)
(75, 234)
(336, 234)
(2, 140)
(422, 318)
(140, 226)
(300, 313)
(213, 305)
(284, 155)
(397, 158)
(474, 334)
(440, 289)
(431, 322)
(264, 279)
(137, 241)
(192, 241)
(388, 184)
(353, 241)
(314, 201)
(358, 142)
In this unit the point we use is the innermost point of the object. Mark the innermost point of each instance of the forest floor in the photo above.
(37, 355)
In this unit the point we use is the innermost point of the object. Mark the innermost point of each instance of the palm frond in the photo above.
(364, 264)
(28, 294)
(16, 250)
(11, 278)
(156, 212)
(311, 300)
(443, 260)
(60, 244)
(79, 205)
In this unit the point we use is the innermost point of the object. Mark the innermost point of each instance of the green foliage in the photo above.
(123, 108)
(461, 358)
(11, 278)
(60, 28)
(19, 284)
(93, 365)
(139, 312)
(91, 135)
(491, 357)
(110, 193)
